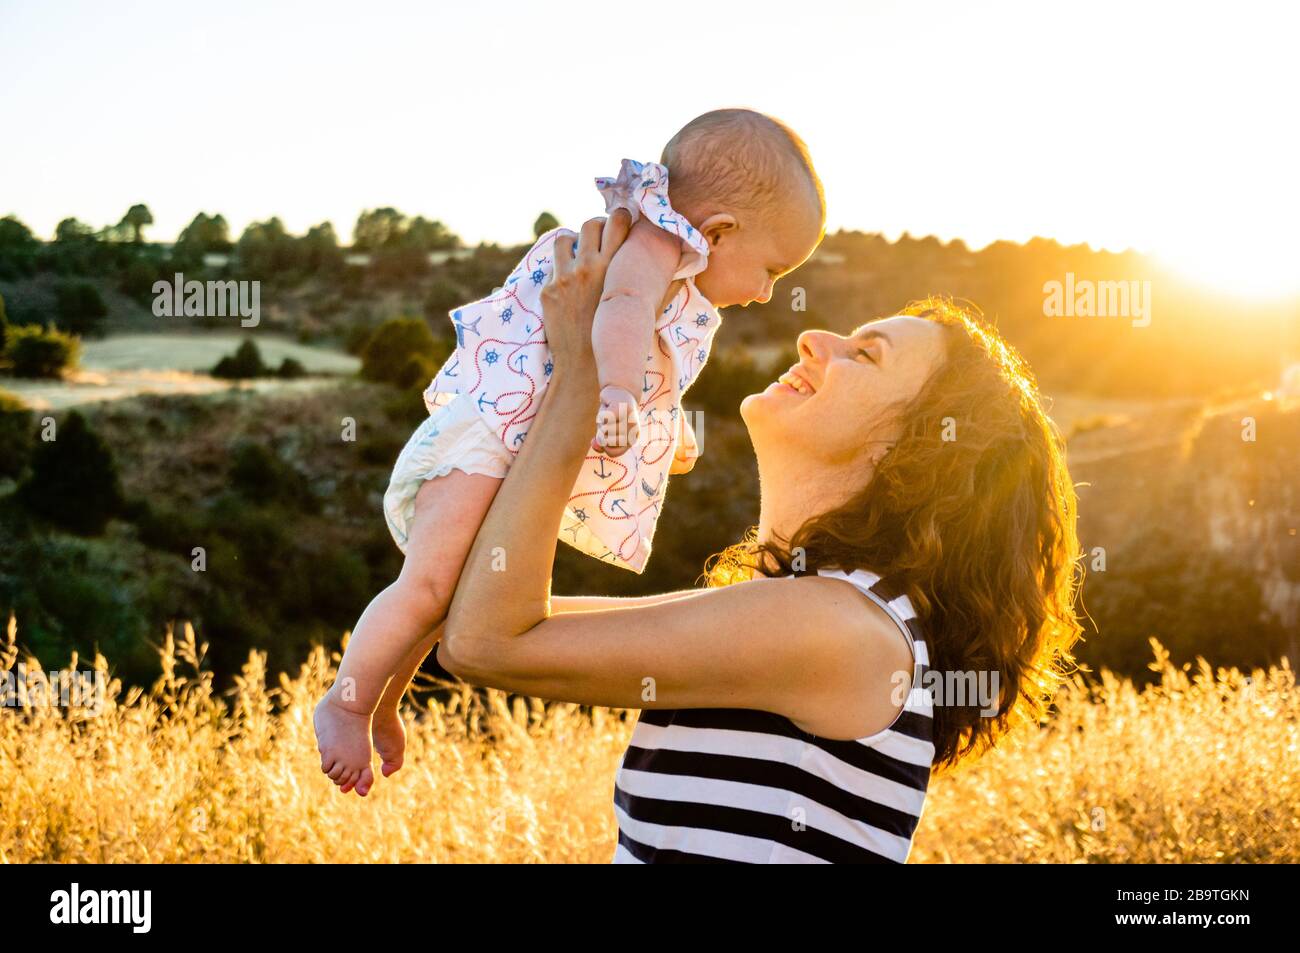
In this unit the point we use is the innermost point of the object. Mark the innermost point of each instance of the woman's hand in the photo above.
(570, 298)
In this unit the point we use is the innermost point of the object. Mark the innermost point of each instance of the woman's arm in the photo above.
(588, 603)
(811, 648)
(405, 673)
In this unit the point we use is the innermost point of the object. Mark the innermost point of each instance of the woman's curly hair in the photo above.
(972, 511)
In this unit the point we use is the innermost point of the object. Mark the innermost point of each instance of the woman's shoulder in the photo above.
(862, 597)
(849, 607)
(873, 650)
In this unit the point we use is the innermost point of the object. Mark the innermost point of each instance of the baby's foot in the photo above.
(389, 735)
(343, 739)
(618, 423)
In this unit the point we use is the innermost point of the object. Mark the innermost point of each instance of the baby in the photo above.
(747, 207)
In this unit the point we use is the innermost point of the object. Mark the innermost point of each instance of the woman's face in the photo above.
(832, 406)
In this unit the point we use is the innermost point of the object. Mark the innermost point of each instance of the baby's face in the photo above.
(745, 263)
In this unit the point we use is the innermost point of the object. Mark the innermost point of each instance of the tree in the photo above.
(378, 228)
(321, 251)
(74, 481)
(134, 221)
(545, 222)
(18, 249)
(399, 247)
(266, 249)
(80, 307)
(70, 230)
(204, 234)
(393, 345)
(15, 236)
(4, 324)
(386, 229)
(427, 236)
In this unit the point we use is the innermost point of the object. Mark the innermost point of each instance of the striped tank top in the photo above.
(733, 785)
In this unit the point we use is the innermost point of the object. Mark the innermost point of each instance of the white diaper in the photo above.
(453, 437)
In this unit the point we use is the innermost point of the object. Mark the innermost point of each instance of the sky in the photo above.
(1168, 128)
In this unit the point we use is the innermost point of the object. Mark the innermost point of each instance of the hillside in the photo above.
(289, 517)
(1199, 532)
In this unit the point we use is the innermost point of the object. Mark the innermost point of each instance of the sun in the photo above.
(1258, 266)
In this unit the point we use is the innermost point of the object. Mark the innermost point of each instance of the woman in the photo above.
(789, 716)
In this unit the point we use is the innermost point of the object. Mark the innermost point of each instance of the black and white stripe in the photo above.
(732, 785)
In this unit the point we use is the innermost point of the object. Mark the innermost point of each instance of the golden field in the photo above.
(1199, 767)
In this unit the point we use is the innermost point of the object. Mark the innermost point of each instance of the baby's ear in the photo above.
(717, 225)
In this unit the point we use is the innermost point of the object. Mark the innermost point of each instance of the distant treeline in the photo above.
(1193, 343)
(1177, 339)
(398, 245)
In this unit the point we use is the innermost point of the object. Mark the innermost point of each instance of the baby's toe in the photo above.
(365, 781)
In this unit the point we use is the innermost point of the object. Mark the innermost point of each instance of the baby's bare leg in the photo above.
(448, 513)
(387, 730)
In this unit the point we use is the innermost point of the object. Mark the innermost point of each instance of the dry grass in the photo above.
(1201, 767)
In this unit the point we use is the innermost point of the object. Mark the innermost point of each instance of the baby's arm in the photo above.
(623, 328)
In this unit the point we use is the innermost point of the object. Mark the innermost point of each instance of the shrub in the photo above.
(80, 307)
(246, 362)
(443, 296)
(406, 408)
(15, 435)
(138, 280)
(418, 371)
(339, 584)
(357, 337)
(176, 529)
(259, 476)
(393, 345)
(291, 368)
(85, 596)
(73, 481)
(36, 352)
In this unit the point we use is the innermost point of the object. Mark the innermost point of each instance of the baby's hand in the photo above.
(618, 422)
(688, 450)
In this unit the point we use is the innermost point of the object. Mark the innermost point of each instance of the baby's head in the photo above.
(745, 180)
